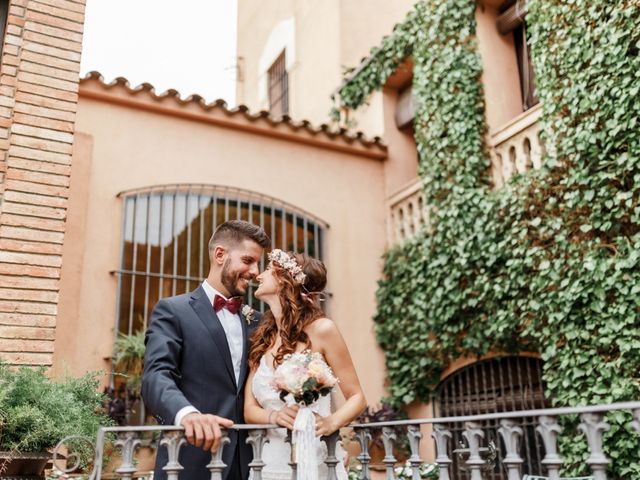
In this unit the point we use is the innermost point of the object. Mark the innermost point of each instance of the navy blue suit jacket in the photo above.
(187, 362)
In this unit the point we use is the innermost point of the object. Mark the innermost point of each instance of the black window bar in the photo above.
(279, 87)
(164, 248)
(491, 386)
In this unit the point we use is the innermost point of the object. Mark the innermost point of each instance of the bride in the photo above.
(292, 286)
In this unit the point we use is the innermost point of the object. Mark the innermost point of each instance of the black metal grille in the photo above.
(493, 386)
(165, 241)
(279, 87)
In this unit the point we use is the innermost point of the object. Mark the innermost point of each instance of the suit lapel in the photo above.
(202, 306)
(245, 348)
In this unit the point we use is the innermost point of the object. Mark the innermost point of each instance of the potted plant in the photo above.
(128, 362)
(36, 412)
(385, 413)
(128, 356)
(125, 401)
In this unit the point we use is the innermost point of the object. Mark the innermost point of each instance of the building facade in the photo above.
(110, 191)
(155, 173)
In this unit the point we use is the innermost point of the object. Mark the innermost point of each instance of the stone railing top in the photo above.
(515, 125)
(549, 412)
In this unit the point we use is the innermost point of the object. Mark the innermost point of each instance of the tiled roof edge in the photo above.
(147, 88)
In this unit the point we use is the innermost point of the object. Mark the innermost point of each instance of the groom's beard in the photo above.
(231, 280)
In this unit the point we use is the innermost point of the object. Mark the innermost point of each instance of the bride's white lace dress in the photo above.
(277, 453)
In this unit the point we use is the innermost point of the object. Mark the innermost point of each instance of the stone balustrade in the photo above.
(516, 147)
(407, 212)
(478, 456)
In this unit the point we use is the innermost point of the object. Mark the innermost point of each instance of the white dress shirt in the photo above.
(231, 323)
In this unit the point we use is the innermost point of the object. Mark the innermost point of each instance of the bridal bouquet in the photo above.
(302, 378)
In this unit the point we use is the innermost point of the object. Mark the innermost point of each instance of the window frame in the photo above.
(512, 20)
(286, 225)
(278, 86)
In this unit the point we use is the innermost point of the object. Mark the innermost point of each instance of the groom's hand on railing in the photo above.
(203, 430)
(286, 416)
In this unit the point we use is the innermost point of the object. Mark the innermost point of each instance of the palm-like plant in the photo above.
(128, 358)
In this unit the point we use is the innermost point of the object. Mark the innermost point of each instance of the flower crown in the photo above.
(288, 263)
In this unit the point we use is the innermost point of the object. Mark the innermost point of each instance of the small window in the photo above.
(525, 68)
(512, 21)
(279, 87)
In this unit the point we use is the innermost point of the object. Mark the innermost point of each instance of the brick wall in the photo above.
(38, 100)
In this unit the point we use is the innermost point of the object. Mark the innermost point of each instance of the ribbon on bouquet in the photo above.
(304, 441)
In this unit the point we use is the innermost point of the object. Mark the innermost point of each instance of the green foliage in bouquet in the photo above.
(37, 412)
(310, 392)
(551, 261)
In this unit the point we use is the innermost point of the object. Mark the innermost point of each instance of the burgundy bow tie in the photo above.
(233, 304)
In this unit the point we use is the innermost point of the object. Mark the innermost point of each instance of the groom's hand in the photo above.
(203, 430)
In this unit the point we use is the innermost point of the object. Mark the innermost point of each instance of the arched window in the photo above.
(166, 231)
(491, 386)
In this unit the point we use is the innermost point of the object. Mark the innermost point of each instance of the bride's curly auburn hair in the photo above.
(300, 307)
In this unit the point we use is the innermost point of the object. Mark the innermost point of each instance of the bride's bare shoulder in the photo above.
(322, 328)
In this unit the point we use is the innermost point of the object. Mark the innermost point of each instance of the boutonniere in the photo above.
(248, 313)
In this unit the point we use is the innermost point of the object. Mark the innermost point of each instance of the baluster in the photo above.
(217, 466)
(506, 164)
(549, 429)
(331, 461)
(593, 426)
(441, 435)
(257, 438)
(388, 439)
(473, 433)
(364, 437)
(407, 220)
(174, 441)
(293, 461)
(498, 172)
(537, 150)
(635, 424)
(128, 442)
(511, 433)
(413, 432)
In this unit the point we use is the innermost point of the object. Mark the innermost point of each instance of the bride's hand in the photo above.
(325, 425)
(286, 416)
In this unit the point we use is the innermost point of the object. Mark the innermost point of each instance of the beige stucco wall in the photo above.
(500, 78)
(401, 167)
(119, 148)
(363, 24)
(314, 62)
(329, 35)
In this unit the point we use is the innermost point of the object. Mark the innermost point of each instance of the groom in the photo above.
(196, 356)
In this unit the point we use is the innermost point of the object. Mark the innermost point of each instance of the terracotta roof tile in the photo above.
(149, 89)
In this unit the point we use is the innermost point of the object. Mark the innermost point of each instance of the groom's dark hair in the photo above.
(234, 232)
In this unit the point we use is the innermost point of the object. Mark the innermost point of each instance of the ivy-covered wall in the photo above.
(548, 263)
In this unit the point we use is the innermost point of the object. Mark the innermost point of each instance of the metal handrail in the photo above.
(550, 412)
